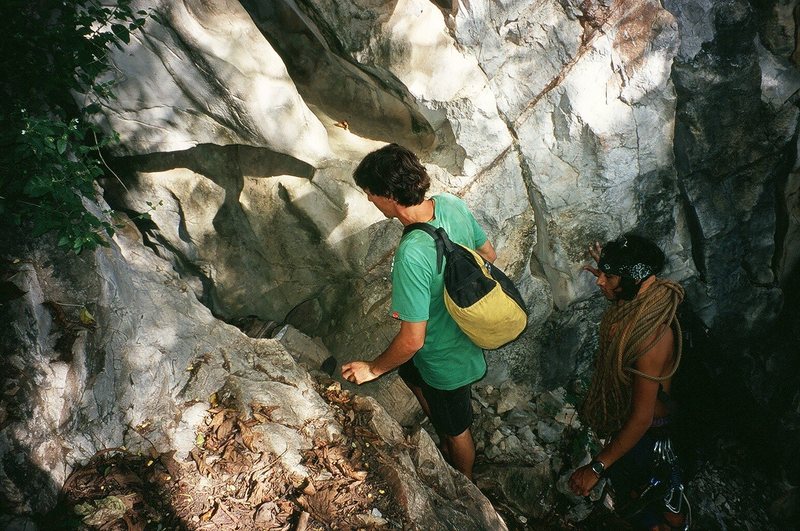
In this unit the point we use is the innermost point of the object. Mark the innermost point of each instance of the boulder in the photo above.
(111, 350)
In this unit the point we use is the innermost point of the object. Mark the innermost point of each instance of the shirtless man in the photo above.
(628, 400)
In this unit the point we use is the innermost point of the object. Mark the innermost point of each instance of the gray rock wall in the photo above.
(131, 375)
(731, 148)
(111, 351)
(735, 149)
(555, 124)
(559, 122)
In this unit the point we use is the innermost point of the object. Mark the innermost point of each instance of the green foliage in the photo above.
(51, 152)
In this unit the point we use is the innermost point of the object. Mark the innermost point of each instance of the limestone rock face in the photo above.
(736, 158)
(554, 122)
(433, 494)
(112, 350)
(131, 375)
(728, 172)
(559, 122)
(208, 76)
(263, 233)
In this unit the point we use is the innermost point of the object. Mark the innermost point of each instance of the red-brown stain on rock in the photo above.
(638, 28)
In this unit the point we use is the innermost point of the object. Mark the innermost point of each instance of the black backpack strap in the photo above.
(439, 236)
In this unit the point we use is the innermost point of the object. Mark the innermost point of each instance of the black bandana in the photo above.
(637, 271)
(617, 265)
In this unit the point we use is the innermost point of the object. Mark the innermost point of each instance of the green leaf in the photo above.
(86, 317)
(92, 108)
(53, 151)
(37, 188)
(122, 32)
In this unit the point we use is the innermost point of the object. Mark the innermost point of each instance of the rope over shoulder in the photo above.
(628, 330)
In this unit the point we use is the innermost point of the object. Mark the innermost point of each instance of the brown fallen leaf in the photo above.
(265, 513)
(224, 429)
(247, 435)
(217, 420)
(209, 514)
(320, 505)
(262, 412)
(202, 467)
(169, 462)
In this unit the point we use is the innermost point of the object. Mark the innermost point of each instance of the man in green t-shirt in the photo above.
(436, 359)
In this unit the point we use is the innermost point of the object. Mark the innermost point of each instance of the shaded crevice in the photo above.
(448, 7)
(696, 236)
(537, 204)
(681, 136)
(183, 232)
(782, 214)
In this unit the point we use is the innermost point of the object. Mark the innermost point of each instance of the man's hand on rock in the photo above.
(358, 372)
(583, 481)
(594, 251)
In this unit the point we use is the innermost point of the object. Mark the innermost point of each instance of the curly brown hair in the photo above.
(394, 172)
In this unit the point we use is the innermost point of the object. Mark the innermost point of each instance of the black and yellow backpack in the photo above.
(480, 298)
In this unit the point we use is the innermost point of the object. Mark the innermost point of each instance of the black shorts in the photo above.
(451, 411)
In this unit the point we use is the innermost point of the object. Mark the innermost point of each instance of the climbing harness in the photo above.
(664, 487)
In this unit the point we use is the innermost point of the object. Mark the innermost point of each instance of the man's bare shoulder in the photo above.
(658, 353)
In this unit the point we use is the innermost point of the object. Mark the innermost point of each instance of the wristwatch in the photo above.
(597, 467)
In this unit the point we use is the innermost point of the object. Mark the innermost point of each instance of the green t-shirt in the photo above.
(448, 359)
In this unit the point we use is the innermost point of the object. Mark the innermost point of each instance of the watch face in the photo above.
(598, 468)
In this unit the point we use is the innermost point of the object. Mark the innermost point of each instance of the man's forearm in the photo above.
(399, 351)
(630, 434)
(405, 344)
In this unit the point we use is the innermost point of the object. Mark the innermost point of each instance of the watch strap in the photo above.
(597, 467)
